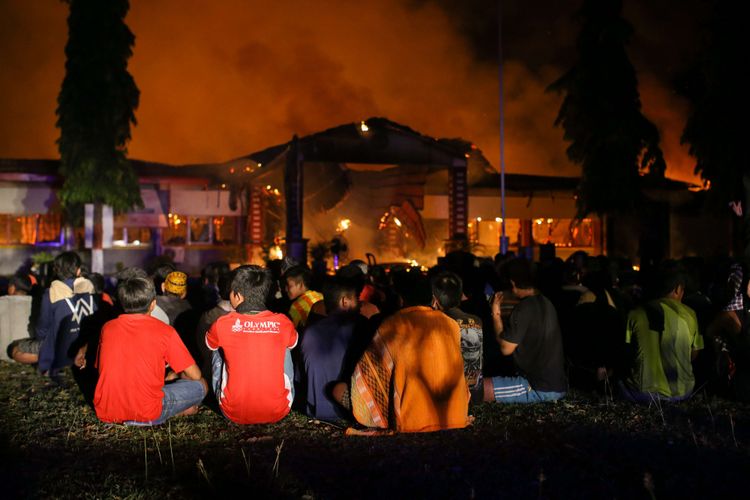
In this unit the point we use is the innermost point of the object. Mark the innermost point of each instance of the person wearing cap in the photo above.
(173, 301)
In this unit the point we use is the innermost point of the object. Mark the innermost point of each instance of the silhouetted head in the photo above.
(340, 294)
(136, 294)
(298, 280)
(250, 285)
(413, 287)
(521, 274)
(447, 290)
(67, 265)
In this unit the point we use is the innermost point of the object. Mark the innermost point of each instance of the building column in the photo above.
(296, 245)
(526, 239)
(458, 206)
(254, 242)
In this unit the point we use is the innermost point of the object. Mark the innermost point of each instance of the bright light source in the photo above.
(260, 165)
(275, 253)
(498, 219)
(398, 222)
(137, 242)
(413, 263)
(343, 225)
(479, 219)
(539, 221)
(363, 127)
(636, 268)
(550, 221)
(223, 186)
(268, 187)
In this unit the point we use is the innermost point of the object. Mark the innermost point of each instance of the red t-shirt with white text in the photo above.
(254, 388)
(133, 352)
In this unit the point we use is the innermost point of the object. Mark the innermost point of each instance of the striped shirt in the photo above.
(300, 309)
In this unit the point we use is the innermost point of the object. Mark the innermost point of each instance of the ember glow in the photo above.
(223, 79)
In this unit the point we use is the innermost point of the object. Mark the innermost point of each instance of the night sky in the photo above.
(225, 78)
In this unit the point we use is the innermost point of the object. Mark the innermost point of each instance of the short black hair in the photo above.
(447, 288)
(136, 294)
(97, 280)
(21, 281)
(521, 273)
(131, 272)
(66, 265)
(413, 287)
(300, 273)
(214, 271)
(253, 283)
(669, 276)
(334, 289)
(225, 285)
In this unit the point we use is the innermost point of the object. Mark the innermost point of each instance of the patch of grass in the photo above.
(52, 446)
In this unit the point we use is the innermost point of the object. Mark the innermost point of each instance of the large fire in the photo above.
(224, 79)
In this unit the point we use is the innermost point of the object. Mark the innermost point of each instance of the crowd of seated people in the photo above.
(379, 352)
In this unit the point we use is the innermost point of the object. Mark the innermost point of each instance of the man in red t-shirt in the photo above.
(134, 351)
(252, 376)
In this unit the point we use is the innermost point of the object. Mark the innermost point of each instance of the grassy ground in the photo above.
(52, 445)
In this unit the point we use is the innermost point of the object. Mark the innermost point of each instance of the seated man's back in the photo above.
(411, 377)
(252, 377)
(134, 350)
(664, 339)
(664, 334)
(331, 347)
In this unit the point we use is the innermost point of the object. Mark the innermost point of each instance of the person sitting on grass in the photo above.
(15, 312)
(663, 341)
(297, 284)
(134, 351)
(447, 290)
(534, 340)
(411, 377)
(331, 347)
(64, 304)
(253, 372)
(173, 301)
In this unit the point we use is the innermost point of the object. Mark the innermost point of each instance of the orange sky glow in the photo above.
(220, 80)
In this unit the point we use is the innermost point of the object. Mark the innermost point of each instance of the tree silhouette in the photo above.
(96, 107)
(601, 115)
(717, 121)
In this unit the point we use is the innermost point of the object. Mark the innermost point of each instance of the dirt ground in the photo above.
(587, 446)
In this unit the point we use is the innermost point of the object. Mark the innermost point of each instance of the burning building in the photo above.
(368, 187)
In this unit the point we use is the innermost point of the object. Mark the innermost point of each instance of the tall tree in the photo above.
(716, 126)
(96, 107)
(601, 114)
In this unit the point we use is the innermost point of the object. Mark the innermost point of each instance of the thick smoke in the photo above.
(222, 79)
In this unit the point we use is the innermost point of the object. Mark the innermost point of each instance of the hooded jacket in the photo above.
(64, 305)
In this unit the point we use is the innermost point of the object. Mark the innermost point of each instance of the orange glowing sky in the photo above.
(223, 79)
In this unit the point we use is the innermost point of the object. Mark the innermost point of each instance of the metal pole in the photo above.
(503, 238)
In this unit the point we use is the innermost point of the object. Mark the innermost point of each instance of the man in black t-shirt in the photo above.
(533, 338)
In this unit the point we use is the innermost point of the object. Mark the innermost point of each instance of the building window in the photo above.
(131, 236)
(32, 229)
(564, 232)
(200, 230)
(225, 230)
